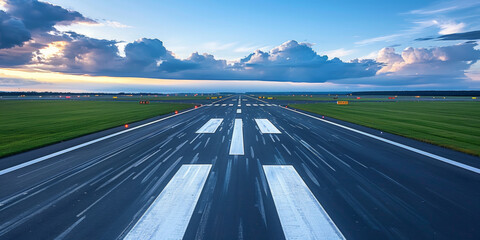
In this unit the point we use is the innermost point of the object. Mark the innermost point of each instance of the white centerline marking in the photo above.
(266, 126)
(239, 110)
(210, 126)
(431, 155)
(236, 146)
(169, 214)
(301, 215)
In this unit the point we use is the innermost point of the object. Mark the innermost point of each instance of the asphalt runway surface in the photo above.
(261, 172)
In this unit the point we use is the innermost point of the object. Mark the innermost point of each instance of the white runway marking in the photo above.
(169, 214)
(231, 104)
(301, 215)
(239, 110)
(236, 146)
(210, 126)
(266, 126)
(248, 104)
(261, 105)
(216, 105)
(255, 104)
(223, 105)
(431, 155)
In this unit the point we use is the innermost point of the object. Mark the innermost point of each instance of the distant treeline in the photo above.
(420, 93)
(53, 93)
(70, 93)
(298, 93)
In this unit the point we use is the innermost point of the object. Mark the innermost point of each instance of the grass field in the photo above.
(454, 125)
(29, 124)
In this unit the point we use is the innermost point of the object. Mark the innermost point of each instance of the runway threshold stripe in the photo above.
(301, 215)
(266, 126)
(170, 213)
(424, 153)
(210, 126)
(236, 145)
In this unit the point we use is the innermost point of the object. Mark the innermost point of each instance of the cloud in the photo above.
(144, 54)
(472, 35)
(291, 61)
(445, 62)
(444, 7)
(451, 27)
(297, 62)
(18, 55)
(113, 24)
(41, 15)
(386, 38)
(12, 31)
(81, 54)
(17, 82)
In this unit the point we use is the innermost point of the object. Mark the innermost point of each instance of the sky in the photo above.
(210, 46)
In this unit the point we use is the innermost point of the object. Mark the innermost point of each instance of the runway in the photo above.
(241, 168)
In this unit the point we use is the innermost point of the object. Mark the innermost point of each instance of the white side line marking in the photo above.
(266, 126)
(210, 126)
(236, 146)
(170, 213)
(40, 159)
(431, 155)
(301, 215)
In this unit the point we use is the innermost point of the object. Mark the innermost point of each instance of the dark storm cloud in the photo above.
(297, 62)
(145, 54)
(26, 20)
(81, 54)
(473, 35)
(18, 55)
(12, 31)
(41, 15)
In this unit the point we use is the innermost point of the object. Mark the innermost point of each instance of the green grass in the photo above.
(30, 124)
(453, 125)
